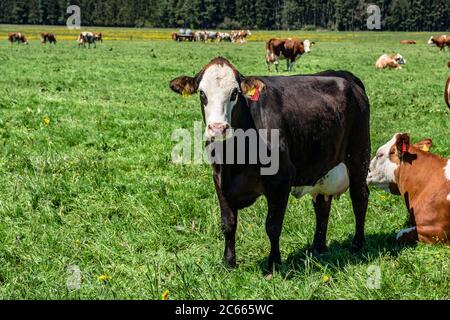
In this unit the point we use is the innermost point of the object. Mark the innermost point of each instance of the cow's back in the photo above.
(318, 115)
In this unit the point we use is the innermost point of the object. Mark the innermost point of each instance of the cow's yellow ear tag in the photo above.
(251, 92)
(185, 94)
(425, 148)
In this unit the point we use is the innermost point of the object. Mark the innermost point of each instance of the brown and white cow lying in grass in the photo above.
(423, 180)
(440, 41)
(407, 42)
(17, 37)
(390, 61)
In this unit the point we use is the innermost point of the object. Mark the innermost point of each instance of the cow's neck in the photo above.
(414, 172)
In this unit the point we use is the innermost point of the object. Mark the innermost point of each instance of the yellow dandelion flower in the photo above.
(104, 278)
(326, 278)
(165, 295)
(46, 120)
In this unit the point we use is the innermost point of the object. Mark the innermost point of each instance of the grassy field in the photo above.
(88, 182)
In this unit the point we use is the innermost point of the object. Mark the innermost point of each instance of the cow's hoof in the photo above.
(356, 246)
(318, 250)
(230, 263)
(268, 276)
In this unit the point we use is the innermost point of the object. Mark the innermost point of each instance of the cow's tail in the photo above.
(447, 92)
(269, 50)
(268, 46)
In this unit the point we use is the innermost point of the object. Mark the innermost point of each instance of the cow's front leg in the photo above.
(229, 225)
(276, 202)
(322, 206)
(292, 65)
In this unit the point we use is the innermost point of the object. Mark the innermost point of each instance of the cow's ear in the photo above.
(184, 85)
(251, 85)
(402, 144)
(424, 145)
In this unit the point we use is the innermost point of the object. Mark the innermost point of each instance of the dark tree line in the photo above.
(397, 15)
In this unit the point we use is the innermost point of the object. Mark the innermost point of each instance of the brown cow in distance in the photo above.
(407, 42)
(48, 37)
(240, 35)
(423, 180)
(440, 41)
(289, 49)
(17, 37)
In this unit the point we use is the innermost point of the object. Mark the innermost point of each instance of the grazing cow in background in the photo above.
(423, 180)
(323, 145)
(407, 42)
(200, 36)
(48, 37)
(240, 35)
(98, 36)
(440, 41)
(289, 49)
(17, 37)
(212, 35)
(86, 37)
(447, 89)
(390, 61)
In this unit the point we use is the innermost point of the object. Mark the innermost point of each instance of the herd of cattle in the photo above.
(324, 143)
(83, 38)
(204, 36)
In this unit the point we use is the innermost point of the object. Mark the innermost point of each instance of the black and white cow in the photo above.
(323, 145)
(86, 37)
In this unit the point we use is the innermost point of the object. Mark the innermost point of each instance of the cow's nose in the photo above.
(217, 129)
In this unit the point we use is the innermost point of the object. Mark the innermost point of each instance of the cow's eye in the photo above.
(234, 95)
(379, 155)
(203, 98)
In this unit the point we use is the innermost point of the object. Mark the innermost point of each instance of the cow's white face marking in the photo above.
(382, 169)
(399, 58)
(401, 233)
(447, 170)
(334, 183)
(448, 197)
(220, 89)
(307, 46)
(430, 41)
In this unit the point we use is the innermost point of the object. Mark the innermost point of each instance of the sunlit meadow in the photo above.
(88, 183)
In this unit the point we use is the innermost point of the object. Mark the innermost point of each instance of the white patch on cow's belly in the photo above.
(334, 183)
(448, 197)
(401, 233)
(447, 170)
